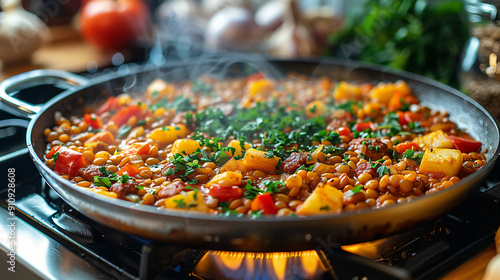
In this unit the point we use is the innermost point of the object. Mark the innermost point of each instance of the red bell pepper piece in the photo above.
(465, 145)
(104, 136)
(345, 131)
(68, 161)
(130, 169)
(94, 120)
(141, 148)
(402, 147)
(266, 204)
(362, 126)
(408, 117)
(398, 100)
(255, 77)
(52, 151)
(123, 115)
(110, 104)
(223, 194)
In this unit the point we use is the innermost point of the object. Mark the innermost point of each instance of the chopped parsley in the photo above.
(180, 203)
(391, 124)
(124, 178)
(252, 191)
(55, 156)
(383, 170)
(416, 128)
(324, 208)
(170, 171)
(413, 155)
(272, 186)
(123, 131)
(185, 165)
(255, 214)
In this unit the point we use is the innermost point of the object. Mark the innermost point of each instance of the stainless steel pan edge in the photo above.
(267, 233)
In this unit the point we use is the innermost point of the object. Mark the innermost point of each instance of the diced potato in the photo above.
(237, 146)
(435, 139)
(260, 87)
(159, 88)
(438, 163)
(345, 92)
(321, 168)
(191, 200)
(382, 93)
(256, 159)
(226, 179)
(136, 132)
(324, 199)
(123, 99)
(168, 134)
(185, 146)
(235, 165)
(316, 109)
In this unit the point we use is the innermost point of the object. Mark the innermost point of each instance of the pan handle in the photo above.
(60, 79)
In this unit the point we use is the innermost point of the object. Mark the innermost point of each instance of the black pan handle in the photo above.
(61, 79)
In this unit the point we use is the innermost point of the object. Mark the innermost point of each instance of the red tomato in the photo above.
(123, 115)
(113, 24)
(224, 194)
(362, 126)
(110, 104)
(266, 204)
(465, 145)
(345, 131)
(94, 120)
(402, 147)
(68, 161)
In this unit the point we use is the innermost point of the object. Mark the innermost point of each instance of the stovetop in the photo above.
(53, 240)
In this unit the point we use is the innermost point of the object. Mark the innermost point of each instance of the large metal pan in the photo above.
(265, 233)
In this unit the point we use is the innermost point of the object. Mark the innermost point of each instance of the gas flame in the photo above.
(247, 265)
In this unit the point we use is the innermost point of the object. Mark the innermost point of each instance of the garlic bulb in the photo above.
(294, 37)
(233, 28)
(21, 33)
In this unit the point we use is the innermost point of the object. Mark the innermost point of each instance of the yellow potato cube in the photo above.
(383, 92)
(438, 163)
(159, 88)
(168, 134)
(226, 179)
(191, 200)
(260, 87)
(345, 91)
(324, 199)
(435, 139)
(236, 144)
(316, 109)
(185, 146)
(261, 160)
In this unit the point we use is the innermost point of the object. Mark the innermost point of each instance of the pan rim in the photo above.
(192, 215)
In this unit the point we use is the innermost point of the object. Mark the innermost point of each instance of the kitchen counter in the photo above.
(65, 52)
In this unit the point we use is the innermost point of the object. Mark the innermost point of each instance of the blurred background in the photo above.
(431, 38)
